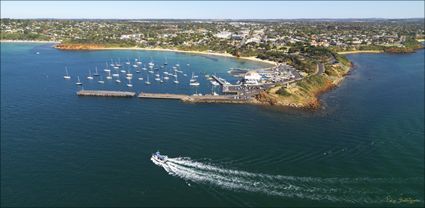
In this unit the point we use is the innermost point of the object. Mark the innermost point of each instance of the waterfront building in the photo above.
(252, 78)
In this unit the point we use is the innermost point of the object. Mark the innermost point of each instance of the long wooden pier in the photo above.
(195, 98)
(162, 96)
(105, 93)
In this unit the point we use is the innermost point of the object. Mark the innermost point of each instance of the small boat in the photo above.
(215, 83)
(119, 63)
(90, 76)
(128, 62)
(177, 65)
(140, 78)
(129, 78)
(129, 74)
(135, 66)
(213, 91)
(96, 73)
(151, 64)
(129, 84)
(176, 81)
(166, 78)
(147, 81)
(122, 71)
(78, 81)
(150, 72)
(144, 69)
(118, 81)
(109, 76)
(157, 79)
(192, 79)
(66, 74)
(106, 68)
(115, 75)
(166, 62)
(101, 81)
(156, 75)
(37, 53)
(158, 158)
(195, 83)
(185, 75)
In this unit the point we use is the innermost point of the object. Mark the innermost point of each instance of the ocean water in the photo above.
(365, 147)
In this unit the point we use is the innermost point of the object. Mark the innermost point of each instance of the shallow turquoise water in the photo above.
(365, 148)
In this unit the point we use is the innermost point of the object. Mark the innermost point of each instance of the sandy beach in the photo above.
(177, 51)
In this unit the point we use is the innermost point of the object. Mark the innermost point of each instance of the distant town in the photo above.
(308, 53)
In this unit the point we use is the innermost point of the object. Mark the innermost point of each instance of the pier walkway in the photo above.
(105, 93)
(195, 98)
(162, 96)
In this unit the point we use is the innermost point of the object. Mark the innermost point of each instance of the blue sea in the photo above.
(364, 147)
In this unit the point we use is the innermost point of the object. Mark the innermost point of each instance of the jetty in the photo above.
(105, 93)
(220, 81)
(196, 98)
(162, 96)
(227, 88)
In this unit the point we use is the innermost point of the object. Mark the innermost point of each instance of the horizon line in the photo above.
(306, 18)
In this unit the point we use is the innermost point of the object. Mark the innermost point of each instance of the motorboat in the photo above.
(157, 157)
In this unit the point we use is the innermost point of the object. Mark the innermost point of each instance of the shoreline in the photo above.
(360, 51)
(28, 41)
(252, 58)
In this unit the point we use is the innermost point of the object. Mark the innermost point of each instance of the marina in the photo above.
(206, 88)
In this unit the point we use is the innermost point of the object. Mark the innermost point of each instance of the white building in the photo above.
(252, 78)
(224, 34)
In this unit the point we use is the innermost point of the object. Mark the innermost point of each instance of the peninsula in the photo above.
(312, 49)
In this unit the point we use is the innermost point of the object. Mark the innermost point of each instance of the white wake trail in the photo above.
(347, 190)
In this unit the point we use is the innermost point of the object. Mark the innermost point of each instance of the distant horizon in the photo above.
(218, 19)
(212, 10)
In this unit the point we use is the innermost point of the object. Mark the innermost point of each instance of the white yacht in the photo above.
(176, 81)
(90, 76)
(96, 73)
(109, 75)
(107, 68)
(78, 81)
(129, 84)
(147, 80)
(66, 74)
(100, 81)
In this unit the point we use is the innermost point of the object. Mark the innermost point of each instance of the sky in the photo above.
(211, 9)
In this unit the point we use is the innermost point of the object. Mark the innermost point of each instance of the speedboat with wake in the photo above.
(157, 157)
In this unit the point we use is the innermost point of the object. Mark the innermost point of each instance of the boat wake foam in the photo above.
(345, 190)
